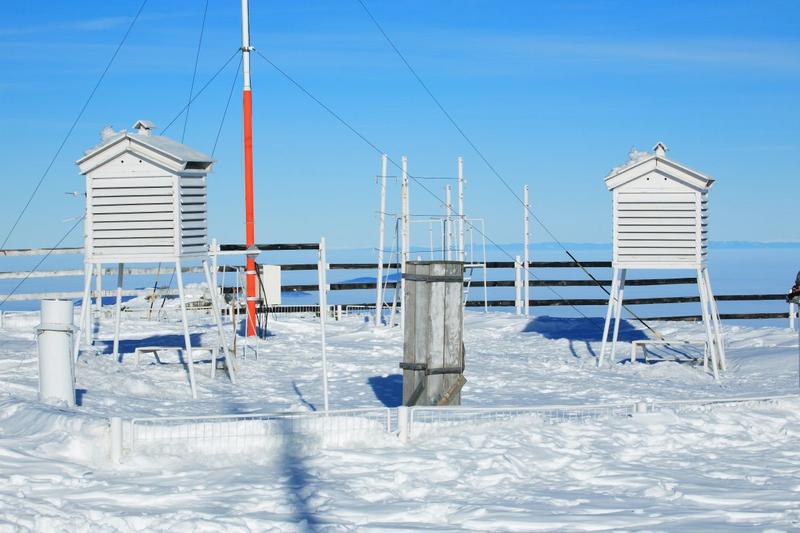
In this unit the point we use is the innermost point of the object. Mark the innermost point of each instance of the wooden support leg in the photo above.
(715, 321)
(611, 306)
(223, 342)
(186, 337)
(118, 310)
(704, 309)
(85, 303)
(618, 312)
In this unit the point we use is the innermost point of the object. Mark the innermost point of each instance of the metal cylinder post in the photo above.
(115, 427)
(54, 339)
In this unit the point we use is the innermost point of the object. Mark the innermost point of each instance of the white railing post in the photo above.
(403, 423)
(404, 234)
(518, 285)
(792, 316)
(115, 429)
(322, 267)
(526, 256)
(448, 224)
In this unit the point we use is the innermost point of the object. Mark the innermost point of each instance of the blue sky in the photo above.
(554, 93)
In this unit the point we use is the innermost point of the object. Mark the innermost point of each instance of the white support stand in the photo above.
(186, 337)
(526, 258)
(708, 308)
(118, 309)
(322, 267)
(85, 312)
(792, 316)
(222, 342)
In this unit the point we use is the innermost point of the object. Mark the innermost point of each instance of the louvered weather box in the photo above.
(146, 203)
(146, 198)
(660, 213)
(660, 220)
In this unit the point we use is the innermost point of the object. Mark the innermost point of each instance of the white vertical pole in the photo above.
(517, 285)
(715, 321)
(612, 304)
(87, 285)
(618, 312)
(214, 264)
(404, 227)
(430, 238)
(246, 44)
(99, 288)
(322, 266)
(792, 316)
(448, 225)
(115, 429)
(381, 231)
(118, 310)
(222, 342)
(186, 337)
(461, 209)
(526, 256)
(706, 316)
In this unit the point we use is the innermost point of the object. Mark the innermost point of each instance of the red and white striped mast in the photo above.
(249, 210)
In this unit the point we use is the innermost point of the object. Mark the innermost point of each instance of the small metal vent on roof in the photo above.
(143, 127)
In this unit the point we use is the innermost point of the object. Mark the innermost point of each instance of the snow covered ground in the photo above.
(726, 467)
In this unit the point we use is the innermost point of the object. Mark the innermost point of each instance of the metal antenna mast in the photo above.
(249, 210)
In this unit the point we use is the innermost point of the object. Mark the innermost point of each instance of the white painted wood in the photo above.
(144, 179)
(660, 220)
(186, 337)
(118, 310)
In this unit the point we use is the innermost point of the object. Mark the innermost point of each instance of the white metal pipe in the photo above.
(99, 288)
(448, 225)
(115, 429)
(404, 229)
(792, 316)
(87, 285)
(322, 267)
(230, 361)
(381, 237)
(186, 337)
(461, 209)
(618, 311)
(56, 364)
(118, 310)
(517, 287)
(526, 256)
(246, 44)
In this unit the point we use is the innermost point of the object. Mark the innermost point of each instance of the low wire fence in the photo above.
(236, 434)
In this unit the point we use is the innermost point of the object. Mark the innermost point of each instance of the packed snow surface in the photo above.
(724, 467)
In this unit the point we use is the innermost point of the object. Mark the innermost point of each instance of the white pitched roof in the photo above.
(169, 152)
(641, 163)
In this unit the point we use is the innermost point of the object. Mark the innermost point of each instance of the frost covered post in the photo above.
(660, 220)
(433, 349)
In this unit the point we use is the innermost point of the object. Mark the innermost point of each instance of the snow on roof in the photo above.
(165, 145)
(638, 158)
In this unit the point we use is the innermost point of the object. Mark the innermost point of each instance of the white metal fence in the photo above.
(225, 434)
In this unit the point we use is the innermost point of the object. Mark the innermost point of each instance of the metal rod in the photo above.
(461, 209)
(381, 232)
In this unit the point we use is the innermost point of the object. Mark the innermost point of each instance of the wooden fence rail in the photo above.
(350, 286)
